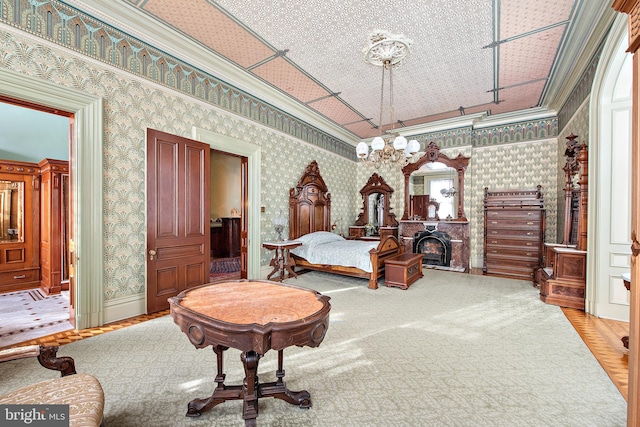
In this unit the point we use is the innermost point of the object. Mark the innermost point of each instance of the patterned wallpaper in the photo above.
(130, 106)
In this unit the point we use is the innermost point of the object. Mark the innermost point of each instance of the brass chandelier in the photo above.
(387, 51)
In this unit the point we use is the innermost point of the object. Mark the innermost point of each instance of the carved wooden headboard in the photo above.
(309, 204)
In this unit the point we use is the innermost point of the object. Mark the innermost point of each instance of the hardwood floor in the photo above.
(602, 337)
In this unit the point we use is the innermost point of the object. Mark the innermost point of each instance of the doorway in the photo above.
(226, 202)
(36, 298)
(87, 160)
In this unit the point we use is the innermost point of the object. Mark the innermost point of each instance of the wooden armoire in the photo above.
(54, 224)
(34, 207)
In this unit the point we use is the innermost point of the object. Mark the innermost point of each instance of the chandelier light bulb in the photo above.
(377, 144)
(400, 143)
(413, 146)
(362, 150)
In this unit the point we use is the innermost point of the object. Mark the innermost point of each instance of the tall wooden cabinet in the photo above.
(53, 225)
(19, 226)
(514, 223)
(562, 276)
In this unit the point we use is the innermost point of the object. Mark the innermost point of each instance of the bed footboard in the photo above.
(388, 247)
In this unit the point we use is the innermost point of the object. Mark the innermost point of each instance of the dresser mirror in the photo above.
(433, 192)
(436, 166)
(376, 209)
(11, 211)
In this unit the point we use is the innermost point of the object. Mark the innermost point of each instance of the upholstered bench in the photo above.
(83, 393)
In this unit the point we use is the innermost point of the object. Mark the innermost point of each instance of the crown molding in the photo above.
(479, 121)
(133, 21)
(530, 114)
(592, 23)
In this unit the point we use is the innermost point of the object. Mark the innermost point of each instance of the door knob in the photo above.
(152, 253)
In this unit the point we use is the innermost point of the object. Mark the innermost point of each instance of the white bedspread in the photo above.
(327, 248)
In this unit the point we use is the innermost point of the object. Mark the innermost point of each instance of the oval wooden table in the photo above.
(252, 316)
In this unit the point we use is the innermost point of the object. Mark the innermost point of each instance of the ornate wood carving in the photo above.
(377, 185)
(432, 154)
(49, 360)
(309, 204)
(310, 210)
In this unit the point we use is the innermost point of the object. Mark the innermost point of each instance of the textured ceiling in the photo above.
(481, 55)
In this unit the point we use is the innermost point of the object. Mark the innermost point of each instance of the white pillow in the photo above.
(319, 237)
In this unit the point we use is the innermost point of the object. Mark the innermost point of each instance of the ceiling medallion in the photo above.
(387, 51)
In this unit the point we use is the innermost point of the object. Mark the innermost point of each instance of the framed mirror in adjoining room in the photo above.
(11, 210)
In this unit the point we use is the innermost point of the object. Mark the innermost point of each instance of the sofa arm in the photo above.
(46, 356)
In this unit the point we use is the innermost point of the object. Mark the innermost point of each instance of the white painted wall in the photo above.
(29, 135)
(609, 243)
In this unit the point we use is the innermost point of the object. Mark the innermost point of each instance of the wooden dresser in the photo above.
(225, 238)
(514, 223)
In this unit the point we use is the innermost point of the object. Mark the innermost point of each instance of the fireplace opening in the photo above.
(435, 247)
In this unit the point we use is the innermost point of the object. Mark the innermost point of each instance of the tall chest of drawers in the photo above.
(514, 223)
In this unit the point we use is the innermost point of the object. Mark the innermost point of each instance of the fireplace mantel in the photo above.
(457, 230)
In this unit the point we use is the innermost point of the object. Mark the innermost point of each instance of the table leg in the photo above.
(289, 264)
(250, 388)
(277, 263)
(280, 391)
(222, 392)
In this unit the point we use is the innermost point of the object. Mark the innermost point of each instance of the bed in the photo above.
(321, 250)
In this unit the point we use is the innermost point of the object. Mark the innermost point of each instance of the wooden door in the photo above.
(244, 227)
(178, 244)
(71, 247)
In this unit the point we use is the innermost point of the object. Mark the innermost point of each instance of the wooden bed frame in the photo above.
(310, 210)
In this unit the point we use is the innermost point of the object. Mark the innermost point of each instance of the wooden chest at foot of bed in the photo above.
(403, 270)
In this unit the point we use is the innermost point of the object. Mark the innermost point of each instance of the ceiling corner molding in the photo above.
(468, 120)
(531, 114)
(583, 42)
(131, 20)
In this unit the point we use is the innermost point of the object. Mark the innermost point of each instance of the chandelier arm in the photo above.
(392, 107)
(381, 102)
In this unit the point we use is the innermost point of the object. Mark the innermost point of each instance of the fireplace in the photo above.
(458, 232)
(435, 247)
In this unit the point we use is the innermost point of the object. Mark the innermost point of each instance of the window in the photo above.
(446, 203)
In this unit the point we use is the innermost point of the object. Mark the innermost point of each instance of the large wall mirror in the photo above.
(376, 204)
(431, 174)
(11, 211)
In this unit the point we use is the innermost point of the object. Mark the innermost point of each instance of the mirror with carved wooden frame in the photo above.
(11, 211)
(432, 154)
(376, 190)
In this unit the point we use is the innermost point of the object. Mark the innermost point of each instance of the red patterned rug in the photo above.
(225, 265)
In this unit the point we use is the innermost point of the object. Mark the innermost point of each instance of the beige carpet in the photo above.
(29, 314)
(452, 350)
